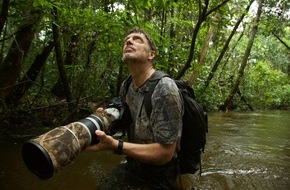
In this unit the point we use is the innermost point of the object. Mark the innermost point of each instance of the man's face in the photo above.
(136, 48)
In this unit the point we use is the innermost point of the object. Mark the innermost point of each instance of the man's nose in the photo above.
(128, 41)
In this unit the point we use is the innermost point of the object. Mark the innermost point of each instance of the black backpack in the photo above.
(195, 125)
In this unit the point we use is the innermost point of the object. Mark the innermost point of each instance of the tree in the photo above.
(11, 67)
(287, 47)
(30, 77)
(235, 87)
(4, 14)
(203, 14)
(225, 47)
(60, 63)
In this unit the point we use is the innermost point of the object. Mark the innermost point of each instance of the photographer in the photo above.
(152, 141)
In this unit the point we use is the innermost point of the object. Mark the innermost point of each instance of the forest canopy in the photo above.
(67, 54)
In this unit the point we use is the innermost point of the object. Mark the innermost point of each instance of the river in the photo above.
(244, 150)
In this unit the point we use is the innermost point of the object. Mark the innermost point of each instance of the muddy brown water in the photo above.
(245, 150)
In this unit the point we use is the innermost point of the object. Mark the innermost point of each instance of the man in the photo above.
(152, 141)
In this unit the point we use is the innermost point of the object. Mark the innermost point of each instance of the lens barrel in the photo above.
(37, 160)
(47, 154)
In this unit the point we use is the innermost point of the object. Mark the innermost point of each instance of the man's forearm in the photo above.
(153, 153)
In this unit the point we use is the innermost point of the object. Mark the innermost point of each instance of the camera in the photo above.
(48, 153)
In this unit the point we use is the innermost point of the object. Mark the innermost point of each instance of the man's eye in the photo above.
(138, 40)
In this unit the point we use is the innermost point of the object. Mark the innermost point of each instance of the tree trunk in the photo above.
(194, 73)
(218, 61)
(10, 69)
(243, 99)
(3, 21)
(60, 64)
(30, 77)
(201, 19)
(172, 36)
(235, 87)
(82, 77)
(57, 89)
(4, 14)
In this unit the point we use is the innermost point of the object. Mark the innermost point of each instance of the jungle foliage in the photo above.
(64, 53)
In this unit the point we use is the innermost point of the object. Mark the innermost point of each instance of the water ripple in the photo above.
(232, 171)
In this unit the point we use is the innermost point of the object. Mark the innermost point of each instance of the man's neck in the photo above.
(140, 74)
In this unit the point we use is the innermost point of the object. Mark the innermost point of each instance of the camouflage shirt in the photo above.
(164, 124)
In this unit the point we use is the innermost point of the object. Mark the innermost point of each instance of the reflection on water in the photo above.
(244, 151)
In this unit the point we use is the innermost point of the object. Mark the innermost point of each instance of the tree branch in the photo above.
(217, 7)
(282, 41)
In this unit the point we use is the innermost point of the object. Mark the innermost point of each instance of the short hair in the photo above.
(148, 37)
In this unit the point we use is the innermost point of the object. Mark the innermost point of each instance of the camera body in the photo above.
(47, 154)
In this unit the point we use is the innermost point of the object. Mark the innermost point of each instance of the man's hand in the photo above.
(107, 142)
(100, 112)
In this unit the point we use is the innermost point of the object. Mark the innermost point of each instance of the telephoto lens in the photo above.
(48, 153)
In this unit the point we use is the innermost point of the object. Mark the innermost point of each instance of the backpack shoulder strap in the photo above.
(152, 82)
(127, 83)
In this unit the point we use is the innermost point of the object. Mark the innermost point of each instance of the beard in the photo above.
(127, 58)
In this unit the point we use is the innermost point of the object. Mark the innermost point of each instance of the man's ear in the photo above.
(152, 55)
